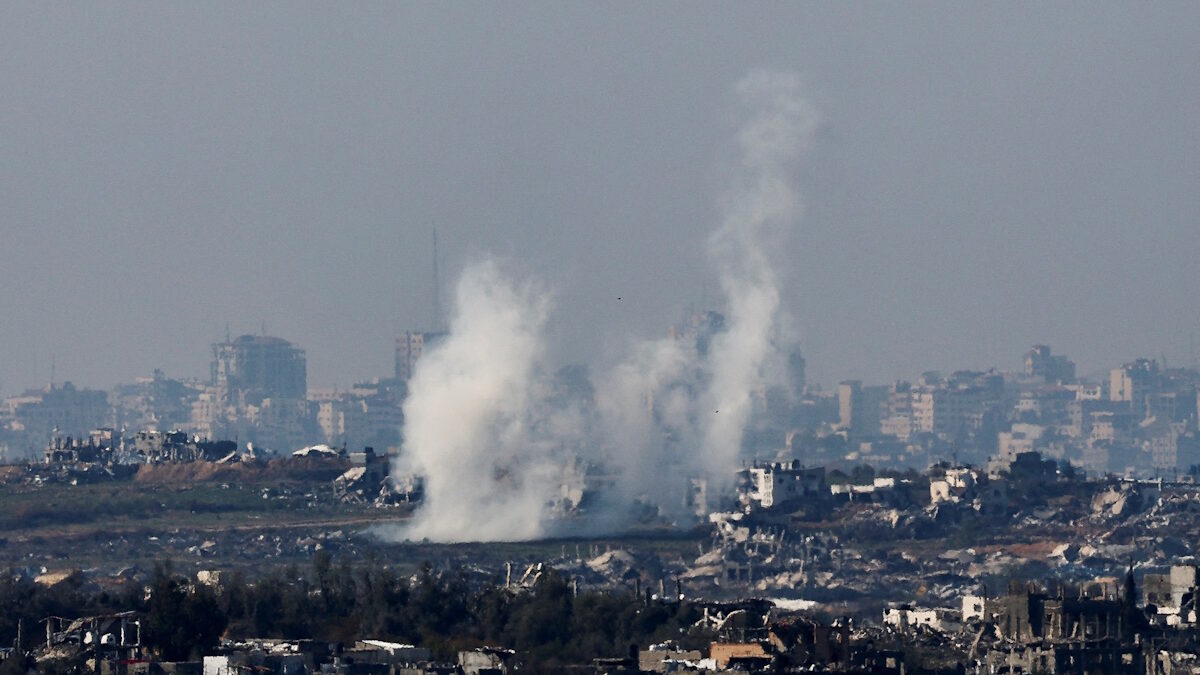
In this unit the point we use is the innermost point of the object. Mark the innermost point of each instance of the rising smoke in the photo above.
(468, 418)
(757, 213)
(489, 431)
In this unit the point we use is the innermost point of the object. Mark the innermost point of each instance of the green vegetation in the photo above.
(182, 621)
(548, 625)
(442, 612)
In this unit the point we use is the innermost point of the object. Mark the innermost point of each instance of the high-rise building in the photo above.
(796, 370)
(897, 412)
(849, 398)
(251, 368)
(1133, 383)
(258, 394)
(1040, 363)
(409, 348)
(860, 408)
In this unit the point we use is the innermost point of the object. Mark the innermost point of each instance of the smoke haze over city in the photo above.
(983, 178)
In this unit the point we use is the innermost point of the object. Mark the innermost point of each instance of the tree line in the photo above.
(333, 601)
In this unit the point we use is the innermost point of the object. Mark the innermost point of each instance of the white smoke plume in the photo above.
(646, 412)
(483, 424)
(758, 212)
(469, 414)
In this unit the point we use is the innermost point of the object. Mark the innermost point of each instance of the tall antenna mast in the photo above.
(437, 291)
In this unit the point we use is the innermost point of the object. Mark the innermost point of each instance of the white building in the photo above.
(957, 484)
(776, 483)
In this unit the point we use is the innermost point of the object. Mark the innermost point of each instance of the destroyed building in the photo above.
(367, 481)
(99, 638)
(1092, 628)
(99, 446)
(1172, 595)
(155, 447)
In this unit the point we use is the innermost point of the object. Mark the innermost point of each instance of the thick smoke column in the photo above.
(641, 404)
(758, 212)
(493, 440)
(469, 413)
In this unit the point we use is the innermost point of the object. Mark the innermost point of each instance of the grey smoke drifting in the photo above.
(482, 421)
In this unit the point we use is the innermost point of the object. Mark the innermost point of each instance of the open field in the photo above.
(246, 513)
(246, 518)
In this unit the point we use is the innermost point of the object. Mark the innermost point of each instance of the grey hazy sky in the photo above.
(987, 175)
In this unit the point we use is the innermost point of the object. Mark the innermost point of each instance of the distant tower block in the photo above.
(409, 348)
(1052, 368)
(259, 367)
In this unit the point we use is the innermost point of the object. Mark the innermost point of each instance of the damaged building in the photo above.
(156, 447)
(770, 486)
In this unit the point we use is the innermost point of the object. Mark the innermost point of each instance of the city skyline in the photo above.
(1009, 363)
